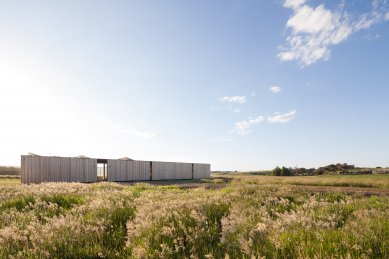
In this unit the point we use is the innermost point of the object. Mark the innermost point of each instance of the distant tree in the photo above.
(276, 171)
(285, 171)
(311, 171)
(302, 171)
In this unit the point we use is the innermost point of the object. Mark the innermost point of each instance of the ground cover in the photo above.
(227, 216)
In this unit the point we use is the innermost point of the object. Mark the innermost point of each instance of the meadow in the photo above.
(226, 216)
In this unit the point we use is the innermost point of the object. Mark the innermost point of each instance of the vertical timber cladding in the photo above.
(23, 170)
(201, 171)
(116, 170)
(38, 169)
(83, 170)
(138, 170)
(32, 169)
(76, 169)
(91, 170)
(64, 167)
(171, 170)
(127, 170)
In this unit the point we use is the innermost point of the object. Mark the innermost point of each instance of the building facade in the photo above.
(38, 169)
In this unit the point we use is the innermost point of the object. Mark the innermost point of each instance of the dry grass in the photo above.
(364, 181)
(227, 216)
(9, 181)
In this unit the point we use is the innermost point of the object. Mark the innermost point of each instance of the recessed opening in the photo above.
(102, 170)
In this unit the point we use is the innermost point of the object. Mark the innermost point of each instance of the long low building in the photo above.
(38, 169)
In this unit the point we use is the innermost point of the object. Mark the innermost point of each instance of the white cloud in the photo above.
(233, 99)
(243, 127)
(286, 117)
(143, 134)
(310, 20)
(293, 3)
(314, 30)
(236, 110)
(275, 89)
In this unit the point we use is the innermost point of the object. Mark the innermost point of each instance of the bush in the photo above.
(281, 171)
(9, 170)
(277, 171)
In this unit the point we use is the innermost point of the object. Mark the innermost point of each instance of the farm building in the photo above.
(38, 169)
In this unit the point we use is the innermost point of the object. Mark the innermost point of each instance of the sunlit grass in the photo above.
(233, 216)
(9, 181)
(373, 181)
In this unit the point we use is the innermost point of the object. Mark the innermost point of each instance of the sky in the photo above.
(242, 85)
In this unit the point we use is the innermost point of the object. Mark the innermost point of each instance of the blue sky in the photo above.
(243, 85)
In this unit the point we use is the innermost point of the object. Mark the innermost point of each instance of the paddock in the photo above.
(38, 169)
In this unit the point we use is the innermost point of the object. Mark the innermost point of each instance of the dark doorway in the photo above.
(102, 170)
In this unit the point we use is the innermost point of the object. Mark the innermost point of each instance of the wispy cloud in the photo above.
(236, 110)
(142, 134)
(233, 99)
(313, 30)
(282, 118)
(293, 3)
(243, 127)
(275, 89)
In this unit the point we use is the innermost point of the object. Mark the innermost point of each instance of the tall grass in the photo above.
(240, 220)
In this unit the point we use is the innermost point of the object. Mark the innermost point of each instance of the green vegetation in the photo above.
(333, 169)
(281, 171)
(9, 170)
(227, 216)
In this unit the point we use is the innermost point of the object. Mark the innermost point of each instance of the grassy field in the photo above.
(227, 216)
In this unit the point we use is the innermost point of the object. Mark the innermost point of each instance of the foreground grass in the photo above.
(245, 216)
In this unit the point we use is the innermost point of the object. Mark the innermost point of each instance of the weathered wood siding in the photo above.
(126, 170)
(183, 171)
(201, 171)
(114, 172)
(138, 170)
(64, 168)
(162, 171)
(90, 170)
(37, 169)
(170, 170)
(83, 170)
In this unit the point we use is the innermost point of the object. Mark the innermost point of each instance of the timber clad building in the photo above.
(38, 169)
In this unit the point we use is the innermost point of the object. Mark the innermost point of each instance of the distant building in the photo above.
(38, 169)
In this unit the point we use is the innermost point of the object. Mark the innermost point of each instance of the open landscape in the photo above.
(194, 129)
(225, 216)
